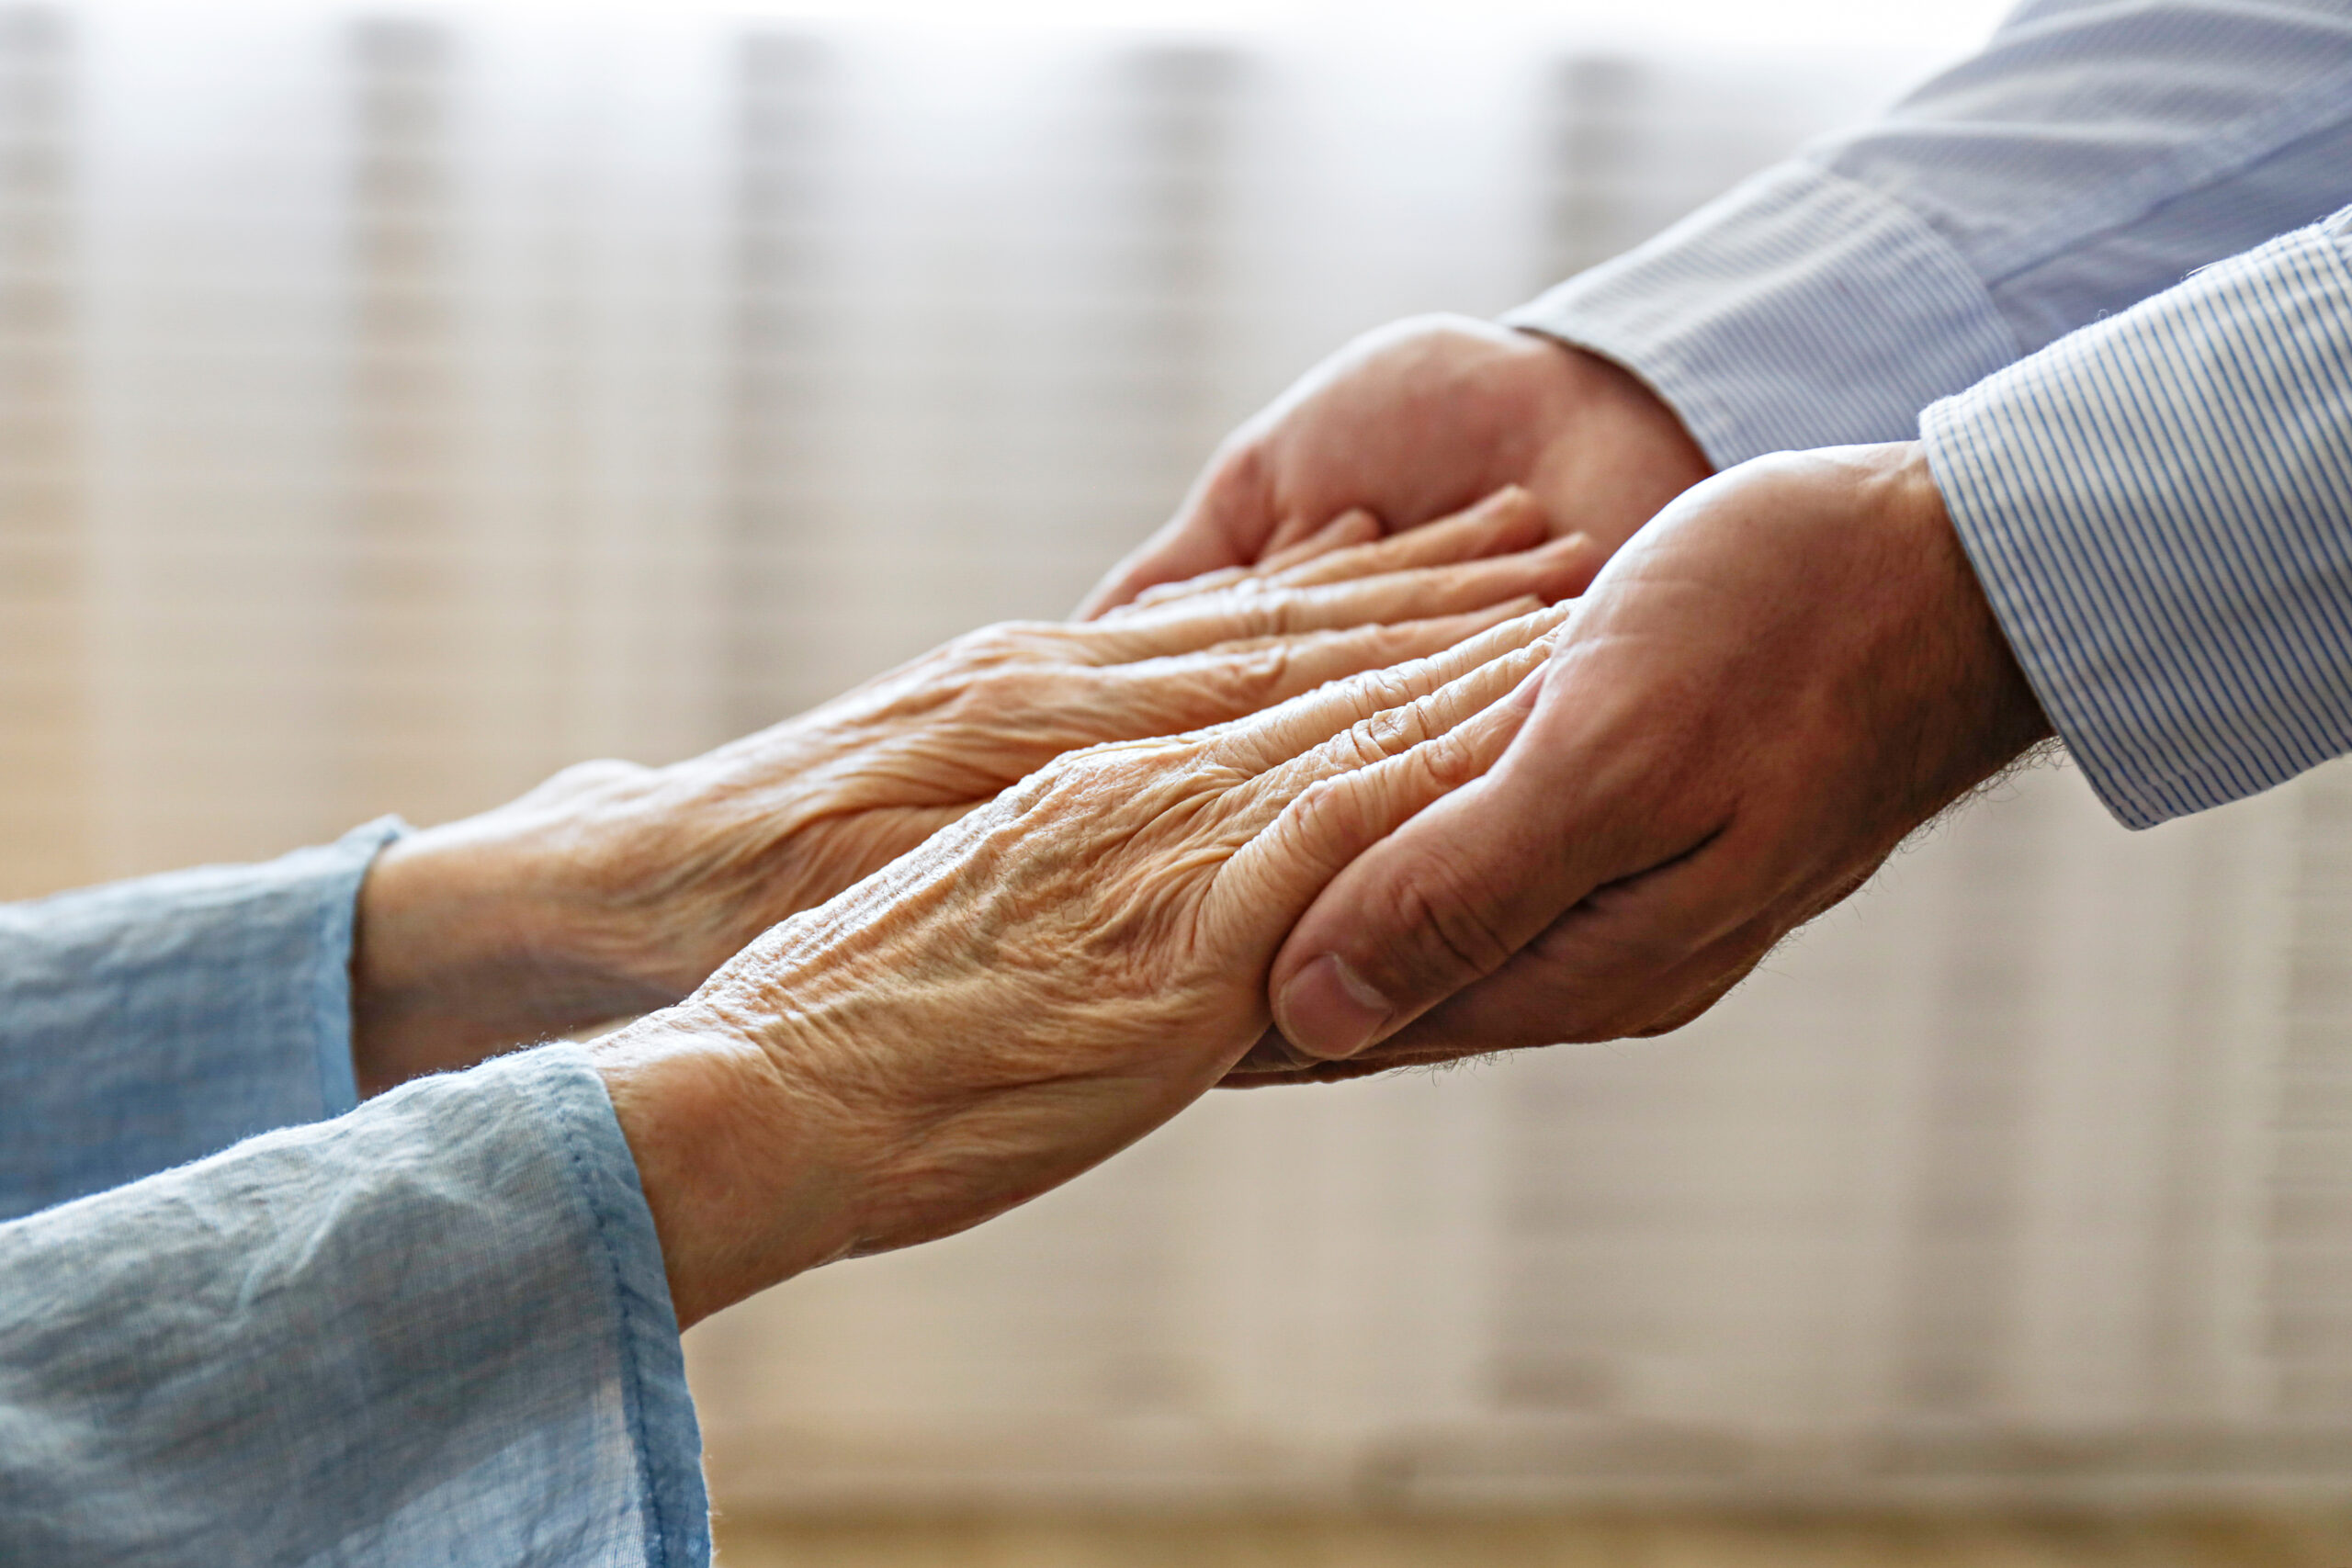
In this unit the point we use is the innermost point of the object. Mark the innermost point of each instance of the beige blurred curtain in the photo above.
(397, 404)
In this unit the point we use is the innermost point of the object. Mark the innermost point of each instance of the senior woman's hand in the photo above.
(1035, 987)
(614, 889)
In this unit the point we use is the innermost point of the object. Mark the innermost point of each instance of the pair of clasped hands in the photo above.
(1338, 774)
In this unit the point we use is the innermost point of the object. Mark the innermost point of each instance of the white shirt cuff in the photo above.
(2160, 509)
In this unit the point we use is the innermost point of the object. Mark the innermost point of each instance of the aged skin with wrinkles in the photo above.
(615, 888)
(1036, 986)
(1782, 672)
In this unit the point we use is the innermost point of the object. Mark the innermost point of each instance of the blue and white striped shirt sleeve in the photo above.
(2160, 509)
(2095, 152)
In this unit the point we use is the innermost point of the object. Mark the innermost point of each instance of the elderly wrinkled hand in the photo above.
(1034, 987)
(615, 888)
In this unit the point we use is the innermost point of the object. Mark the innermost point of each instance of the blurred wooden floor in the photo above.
(2215, 1541)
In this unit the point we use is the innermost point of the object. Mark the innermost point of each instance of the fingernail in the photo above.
(1329, 1011)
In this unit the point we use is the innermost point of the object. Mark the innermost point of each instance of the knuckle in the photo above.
(1013, 688)
(1328, 813)
(1384, 689)
(1250, 675)
(1357, 746)
(1009, 640)
(1285, 611)
(1447, 762)
(1392, 732)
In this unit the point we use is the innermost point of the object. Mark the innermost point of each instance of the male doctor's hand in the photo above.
(1416, 421)
(1785, 674)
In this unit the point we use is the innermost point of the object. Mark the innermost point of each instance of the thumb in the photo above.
(1450, 895)
(1443, 901)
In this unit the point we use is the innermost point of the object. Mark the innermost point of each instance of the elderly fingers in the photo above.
(1549, 573)
(1437, 730)
(1509, 520)
(1348, 529)
(1336, 804)
(1282, 733)
(1396, 730)
(1192, 691)
(1235, 681)
(1353, 546)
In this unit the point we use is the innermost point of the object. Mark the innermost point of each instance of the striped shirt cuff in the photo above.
(2160, 508)
(1801, 309)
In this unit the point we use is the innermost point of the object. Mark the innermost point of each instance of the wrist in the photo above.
(750, 1176)
(470, 938)
(1993, 714)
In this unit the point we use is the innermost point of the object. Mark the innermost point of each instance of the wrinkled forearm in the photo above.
(468, 943)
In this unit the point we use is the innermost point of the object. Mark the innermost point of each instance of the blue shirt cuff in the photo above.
(150, 1022)
(435, 1330)
(658, 1407)
(1801, 309)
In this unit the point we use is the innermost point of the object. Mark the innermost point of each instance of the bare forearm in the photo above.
(466, 944)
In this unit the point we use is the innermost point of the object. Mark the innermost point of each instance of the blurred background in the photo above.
(397, 402)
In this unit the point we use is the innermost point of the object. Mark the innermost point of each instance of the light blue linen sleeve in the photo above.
(2160, 510)
(2094, 153)
(433, 1331)
(151, 1022)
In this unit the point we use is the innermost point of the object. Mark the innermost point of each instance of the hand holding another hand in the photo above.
(1785, 674)
(1413, 422)
(614, 889)
(1034, 987)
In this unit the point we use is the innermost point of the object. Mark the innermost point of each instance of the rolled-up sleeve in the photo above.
(436, 1330)
(2092, 155)
(151, 1022)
